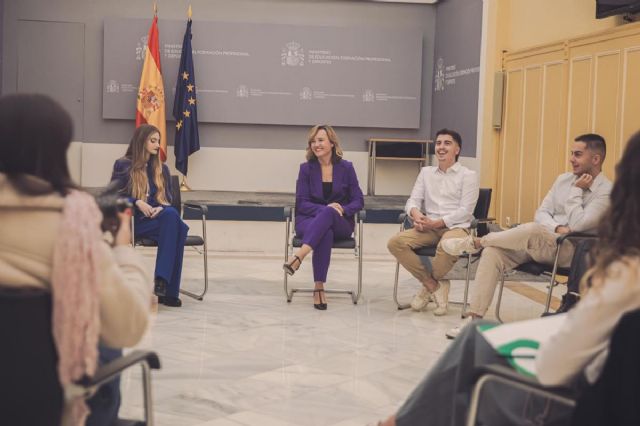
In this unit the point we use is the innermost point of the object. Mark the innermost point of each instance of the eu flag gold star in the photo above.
(190, 87)
(191, 101)
(179, 125)
(185, 75)
(186, 113)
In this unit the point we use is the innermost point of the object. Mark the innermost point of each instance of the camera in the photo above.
(111, 203)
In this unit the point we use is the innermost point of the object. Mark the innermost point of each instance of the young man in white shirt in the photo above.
(575, 202)
(441, 206)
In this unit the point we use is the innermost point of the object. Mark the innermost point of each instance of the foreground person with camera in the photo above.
(52, 241)
(145, 180)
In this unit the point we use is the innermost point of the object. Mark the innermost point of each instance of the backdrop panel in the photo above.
(275, 74)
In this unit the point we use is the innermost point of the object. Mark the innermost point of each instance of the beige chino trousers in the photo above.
(401, 246)
(505, 250)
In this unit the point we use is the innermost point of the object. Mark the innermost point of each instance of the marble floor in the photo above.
(244, 356)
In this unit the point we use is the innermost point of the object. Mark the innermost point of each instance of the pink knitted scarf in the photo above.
(75, 284)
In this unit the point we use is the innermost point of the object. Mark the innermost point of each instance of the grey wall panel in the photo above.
(53, 52)
(294, 12)
(456, 69)
(274, 74)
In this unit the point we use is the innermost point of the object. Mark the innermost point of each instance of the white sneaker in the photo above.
(441, 298)
(459, 246)
(453, 333)
(421, 299)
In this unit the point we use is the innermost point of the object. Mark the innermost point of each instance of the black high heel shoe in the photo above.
(320, 306)
(288, 267)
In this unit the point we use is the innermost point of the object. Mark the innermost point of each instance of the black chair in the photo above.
(538, 269)
(581, 262)
(193, 241)
(352, 243)
(479, 227)
(612, 400)
(30, 392)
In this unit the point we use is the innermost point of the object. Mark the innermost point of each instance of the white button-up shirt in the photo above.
(450, 196)
(569, 205)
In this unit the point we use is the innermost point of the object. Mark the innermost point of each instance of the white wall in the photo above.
(244, 169)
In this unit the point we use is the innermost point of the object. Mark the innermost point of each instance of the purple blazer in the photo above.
(345, 191)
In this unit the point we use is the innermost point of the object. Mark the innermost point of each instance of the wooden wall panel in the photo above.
(606, 101)
(630, 99)
(511, 137)
(580, 97)
(554, 93)
(530, 143)
(552, 153)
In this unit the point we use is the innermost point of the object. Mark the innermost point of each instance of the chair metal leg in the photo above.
(466, 287)
(552, 283)
(354, 293)
(206, 265)
(500, 297)
(401, 306)
(355, 297)
(287, 293)
(133, 232)
(148, 397)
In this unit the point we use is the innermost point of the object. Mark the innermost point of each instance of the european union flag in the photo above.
(185, 110)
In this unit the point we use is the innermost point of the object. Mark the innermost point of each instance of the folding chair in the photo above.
(193, 241)
(538, 269)
(354, 243)
(612, 400)
(478, 227)
(30, 392)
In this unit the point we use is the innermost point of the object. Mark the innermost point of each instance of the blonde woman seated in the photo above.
(327, 198)
(142, 177)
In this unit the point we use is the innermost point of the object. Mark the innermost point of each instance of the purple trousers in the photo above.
(320, 232)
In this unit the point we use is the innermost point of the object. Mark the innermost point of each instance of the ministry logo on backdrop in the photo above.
(306, 94)
(242, 91)
(368, 96)
(292, 55)
(439, 75)
(113, 87)
(141, 47)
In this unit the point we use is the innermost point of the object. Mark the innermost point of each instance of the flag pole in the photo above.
(184, 186)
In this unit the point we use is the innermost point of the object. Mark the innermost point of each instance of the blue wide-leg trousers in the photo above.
(320, 232)
(170, 232)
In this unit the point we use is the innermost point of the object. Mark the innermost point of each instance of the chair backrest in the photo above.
(482, 209)
(176, 198)
(30, 392)
(613, 399)
(580, 262)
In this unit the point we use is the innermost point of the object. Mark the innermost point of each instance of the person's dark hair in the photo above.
(454, 135)
(594, 143)
(619, 228)
(35, 133)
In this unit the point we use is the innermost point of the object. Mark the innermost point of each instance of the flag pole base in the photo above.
(184, 187)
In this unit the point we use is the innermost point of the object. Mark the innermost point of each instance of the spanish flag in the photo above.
(150, 106)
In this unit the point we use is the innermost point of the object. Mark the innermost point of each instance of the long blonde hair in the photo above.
(139, 156)
(336, 151)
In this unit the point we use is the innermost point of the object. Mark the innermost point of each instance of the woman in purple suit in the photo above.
(327, 198)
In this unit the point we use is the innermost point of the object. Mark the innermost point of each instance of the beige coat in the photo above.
(28, 230)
